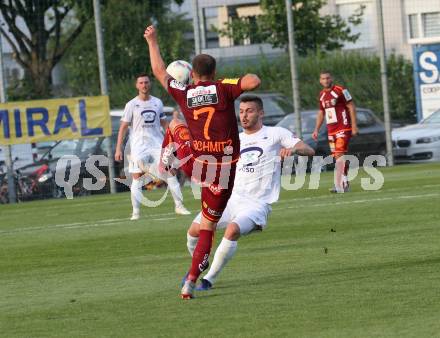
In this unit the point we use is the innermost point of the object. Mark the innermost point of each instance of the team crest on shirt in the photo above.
(184, 134)
(250, 156)
(148, 115)
(333, 101)
(201, 96)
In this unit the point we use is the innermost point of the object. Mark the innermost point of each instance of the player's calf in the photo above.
(201, 254)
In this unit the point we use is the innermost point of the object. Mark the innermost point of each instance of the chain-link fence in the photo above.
(50, 51)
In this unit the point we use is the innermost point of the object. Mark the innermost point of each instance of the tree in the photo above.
(126, 53)
(38, 35)
(313, 32)
(42, 31)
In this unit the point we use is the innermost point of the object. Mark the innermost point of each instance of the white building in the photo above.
(213, 14)
(406, 22)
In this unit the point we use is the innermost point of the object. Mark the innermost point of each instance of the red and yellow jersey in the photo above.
(209, 111)
(333, 103)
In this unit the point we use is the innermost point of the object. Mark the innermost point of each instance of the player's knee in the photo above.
(194, 230)
(232, 232)
(339, 157)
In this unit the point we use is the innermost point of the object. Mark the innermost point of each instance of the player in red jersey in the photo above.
(337, 107)
(210, 144)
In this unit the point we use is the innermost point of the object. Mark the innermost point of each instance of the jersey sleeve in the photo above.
(127, 116)
(345, 95)
(177, 90)
(232, 87)
(286, 138)
(162, 115)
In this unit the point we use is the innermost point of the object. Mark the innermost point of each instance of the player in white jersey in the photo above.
(256, 185)
(144, 114)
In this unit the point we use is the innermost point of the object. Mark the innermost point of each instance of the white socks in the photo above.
(174, 186)
(223, 254)
(136, 194)
(191, 243)
(225, 251)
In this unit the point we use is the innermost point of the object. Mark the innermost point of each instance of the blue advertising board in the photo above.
(427, 79)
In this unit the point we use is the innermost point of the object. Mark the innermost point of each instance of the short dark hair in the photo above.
(325, 71)
(204, 65)
(143, 74)
(253, 98)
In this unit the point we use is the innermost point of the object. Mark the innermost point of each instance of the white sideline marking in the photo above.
(114, 221)
(359, 201)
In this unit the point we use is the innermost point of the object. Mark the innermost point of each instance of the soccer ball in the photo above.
(180, 70)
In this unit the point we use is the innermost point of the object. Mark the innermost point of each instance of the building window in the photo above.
(210, 17)
(431, 24)
(367, 37)
(414, 31)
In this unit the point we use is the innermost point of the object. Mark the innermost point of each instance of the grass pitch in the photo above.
(363, 264)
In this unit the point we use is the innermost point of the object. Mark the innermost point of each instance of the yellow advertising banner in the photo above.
(53, 120)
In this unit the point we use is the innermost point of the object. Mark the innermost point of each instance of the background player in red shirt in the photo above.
(337, 107)
(211, 141)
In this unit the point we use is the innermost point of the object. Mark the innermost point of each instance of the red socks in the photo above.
(201, 254)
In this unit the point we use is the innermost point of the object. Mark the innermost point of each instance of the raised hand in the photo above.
(150, 34)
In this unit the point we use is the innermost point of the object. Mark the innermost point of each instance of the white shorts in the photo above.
(145, 162)
(248, 215)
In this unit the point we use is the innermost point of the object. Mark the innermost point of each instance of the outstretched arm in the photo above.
(301, 148)
(157, 63)
(119, 156)
(319, 120)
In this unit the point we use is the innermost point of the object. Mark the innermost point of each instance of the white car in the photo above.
(418, 142)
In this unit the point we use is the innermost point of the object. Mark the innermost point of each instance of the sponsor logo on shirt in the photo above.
(177, 85)
(148, 115)
(201, 96)
(250, 156)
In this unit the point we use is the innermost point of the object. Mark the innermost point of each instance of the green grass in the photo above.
(78, 268)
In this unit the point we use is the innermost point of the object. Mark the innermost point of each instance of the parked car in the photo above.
(276, 107)
(370, 141)
(418, 142)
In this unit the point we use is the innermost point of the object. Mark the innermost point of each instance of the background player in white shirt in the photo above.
(144, 114)
(256, 185)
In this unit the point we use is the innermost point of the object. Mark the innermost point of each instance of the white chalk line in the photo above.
(114, 221)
